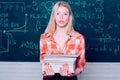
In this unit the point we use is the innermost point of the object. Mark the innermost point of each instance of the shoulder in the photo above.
(45, 36)
(77, 35)
(42, 36)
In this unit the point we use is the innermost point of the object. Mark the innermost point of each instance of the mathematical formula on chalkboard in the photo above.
(22, 22)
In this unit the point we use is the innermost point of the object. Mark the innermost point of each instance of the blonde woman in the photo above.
(60, 38)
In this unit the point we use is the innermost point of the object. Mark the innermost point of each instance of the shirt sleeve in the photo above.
(81, 61)
(43, 47)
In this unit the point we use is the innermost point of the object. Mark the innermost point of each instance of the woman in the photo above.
(60, 38)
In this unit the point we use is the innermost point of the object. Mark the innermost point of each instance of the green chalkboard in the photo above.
(23, 21)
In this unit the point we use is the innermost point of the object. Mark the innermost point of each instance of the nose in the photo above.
(61, 16)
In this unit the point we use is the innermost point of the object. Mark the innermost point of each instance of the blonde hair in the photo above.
(51, 27)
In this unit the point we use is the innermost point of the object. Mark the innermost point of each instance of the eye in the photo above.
(65, 14)
(57, 13)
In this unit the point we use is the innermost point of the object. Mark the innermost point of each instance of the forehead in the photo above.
(62, 9)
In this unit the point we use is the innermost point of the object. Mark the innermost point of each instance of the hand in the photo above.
(48, 70)
(64, 71)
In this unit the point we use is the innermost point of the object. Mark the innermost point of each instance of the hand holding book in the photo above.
(64, 70)
(63, 64)
(48, 70)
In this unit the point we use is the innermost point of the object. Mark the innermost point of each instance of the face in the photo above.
(62, 17)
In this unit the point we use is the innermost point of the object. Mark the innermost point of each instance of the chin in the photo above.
(62, 25)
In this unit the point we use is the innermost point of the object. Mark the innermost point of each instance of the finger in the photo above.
(62, 71)
(46, 68)
(66, 66)
(50, 70)
(71, 74)
(65, 69)
(45, 64)
(43, 72)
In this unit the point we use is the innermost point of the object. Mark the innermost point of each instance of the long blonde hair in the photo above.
(51, 27)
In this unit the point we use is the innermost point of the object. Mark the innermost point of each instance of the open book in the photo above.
(57, 61)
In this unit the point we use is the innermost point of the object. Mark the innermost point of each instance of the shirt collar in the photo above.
(49, 36)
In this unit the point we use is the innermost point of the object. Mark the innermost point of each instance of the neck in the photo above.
(60, 31)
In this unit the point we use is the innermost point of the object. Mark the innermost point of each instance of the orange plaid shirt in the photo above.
(75, 44)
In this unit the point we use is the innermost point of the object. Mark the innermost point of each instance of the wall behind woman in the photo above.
(23, 21)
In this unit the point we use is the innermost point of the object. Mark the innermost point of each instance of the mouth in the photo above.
(61, 21)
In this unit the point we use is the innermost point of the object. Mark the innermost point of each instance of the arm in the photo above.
(43, 47)
(81, 61)
(47, 71)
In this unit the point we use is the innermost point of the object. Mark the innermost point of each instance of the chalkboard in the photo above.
(23, 21)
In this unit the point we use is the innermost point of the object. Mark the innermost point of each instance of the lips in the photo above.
(61, 21)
